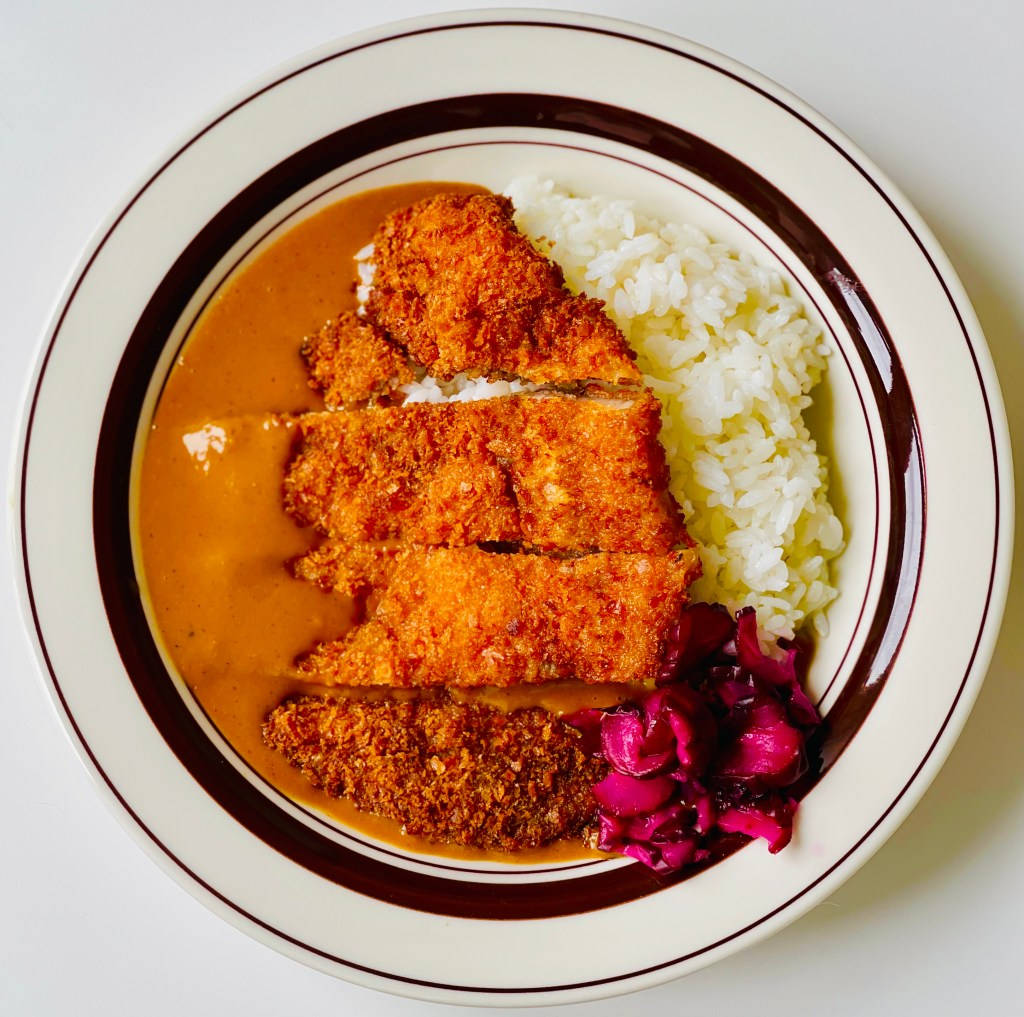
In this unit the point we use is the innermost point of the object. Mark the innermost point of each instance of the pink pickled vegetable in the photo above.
(701, 630)
(780, 673)
(661, 840)
(768, 752)
(775, 825)
(588, 723)
(690, 721)
(713, 748)
(623, 795)
(635, 746)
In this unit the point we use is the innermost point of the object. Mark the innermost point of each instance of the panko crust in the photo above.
(465, 617)
(350, 360)
(463, 290)
(455, 773)
(552, 472)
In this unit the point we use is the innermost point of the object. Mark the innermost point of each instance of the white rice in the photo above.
(364, 269)
(461, 389)
(732, 357)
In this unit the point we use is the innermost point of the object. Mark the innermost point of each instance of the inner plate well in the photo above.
(492, 158)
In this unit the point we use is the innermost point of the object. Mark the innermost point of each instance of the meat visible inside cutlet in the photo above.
(350, 360)
(550, 471)
(456, 773)
(459, 287)
(464, 617)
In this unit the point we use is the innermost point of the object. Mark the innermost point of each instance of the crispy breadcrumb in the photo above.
(349, 569)
(350, 360)
(550, 471)
(465, 617)
(462, 289)
(453, 772)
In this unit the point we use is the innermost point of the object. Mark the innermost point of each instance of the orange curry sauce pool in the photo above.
(213, 533)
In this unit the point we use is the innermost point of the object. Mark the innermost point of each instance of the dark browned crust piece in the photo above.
(462, 289)
(455, 773)
(552, 472)
(464, 617)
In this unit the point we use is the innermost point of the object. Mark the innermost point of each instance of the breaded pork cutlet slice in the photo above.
(455, 773)
(550, 471)
(353, 570)
(464, 617)
(459, 287)
(350, 360)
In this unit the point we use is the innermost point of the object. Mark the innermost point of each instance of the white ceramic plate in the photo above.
(917, 426)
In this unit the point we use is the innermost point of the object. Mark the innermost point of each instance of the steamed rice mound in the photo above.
(732, 358)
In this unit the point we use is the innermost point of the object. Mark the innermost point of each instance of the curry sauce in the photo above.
(212, 530)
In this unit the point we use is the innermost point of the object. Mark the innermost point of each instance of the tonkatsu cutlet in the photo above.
(550, 471)
(459, 287)
(351, 360)
(464, 617)
(456, 773)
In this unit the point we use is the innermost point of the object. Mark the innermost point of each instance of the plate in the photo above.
(914, 422)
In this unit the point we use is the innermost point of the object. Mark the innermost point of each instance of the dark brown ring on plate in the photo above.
(351, 836)
(104, 517)
(116, 447)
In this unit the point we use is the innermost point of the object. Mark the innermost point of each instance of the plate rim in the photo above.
(930, 249)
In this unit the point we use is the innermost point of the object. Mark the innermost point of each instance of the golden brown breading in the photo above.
(350, 360)
(465, 617)
(350, 569)
(455, 773)
(551, 471)
(463, 290)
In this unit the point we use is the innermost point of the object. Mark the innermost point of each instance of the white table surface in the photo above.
(91, 93)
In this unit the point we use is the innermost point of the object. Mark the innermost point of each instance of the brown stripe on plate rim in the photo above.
(226, 273)
(641, 41)
(116, 445)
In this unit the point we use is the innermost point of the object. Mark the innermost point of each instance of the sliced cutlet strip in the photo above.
(550, 471)
(460, 288)
(464, 617)
(350, 360)
(455, 773)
